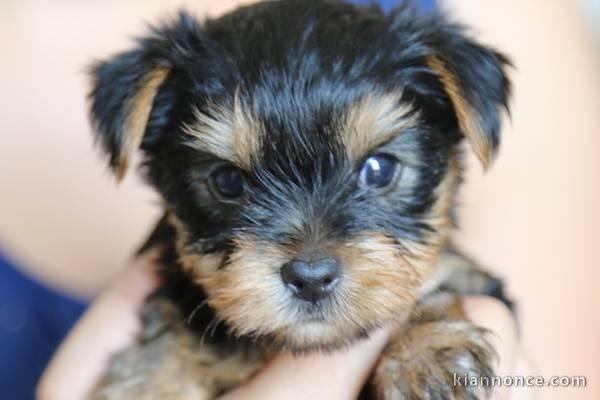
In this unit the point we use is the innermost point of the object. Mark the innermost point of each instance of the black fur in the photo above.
(298, 63)
(179, 288)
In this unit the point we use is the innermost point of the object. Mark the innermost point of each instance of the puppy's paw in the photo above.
(430, 360)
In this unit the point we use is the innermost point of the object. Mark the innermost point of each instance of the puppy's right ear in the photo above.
(125, 87)
(122, 96)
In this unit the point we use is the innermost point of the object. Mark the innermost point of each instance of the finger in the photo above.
(494, 316)
(108, 326)
(338, 375)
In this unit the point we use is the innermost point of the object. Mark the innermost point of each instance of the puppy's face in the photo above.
(307, 155)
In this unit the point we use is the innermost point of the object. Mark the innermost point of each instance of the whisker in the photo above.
(194, 311)
(214, 321)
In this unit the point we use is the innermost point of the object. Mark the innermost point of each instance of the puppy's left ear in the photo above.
(475, 79)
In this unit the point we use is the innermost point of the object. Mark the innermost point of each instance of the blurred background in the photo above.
(533, 218)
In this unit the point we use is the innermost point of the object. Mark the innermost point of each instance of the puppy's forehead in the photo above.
(241, 134)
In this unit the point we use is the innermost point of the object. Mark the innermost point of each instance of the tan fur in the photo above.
(468, 120)
(379, 282)
(139, 111)
(191, 258)
(170, 363)
(382, 277)
(422, 357)
(232, 134)
(373, 121)
(248, 293)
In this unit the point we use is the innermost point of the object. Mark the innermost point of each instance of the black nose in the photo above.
(311, 281)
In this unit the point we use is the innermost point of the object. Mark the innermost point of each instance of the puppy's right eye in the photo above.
(227, 182)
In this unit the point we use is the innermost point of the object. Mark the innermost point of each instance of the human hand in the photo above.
(112, 322)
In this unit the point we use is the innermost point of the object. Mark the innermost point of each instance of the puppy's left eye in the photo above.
(378, 171)
(227, 182)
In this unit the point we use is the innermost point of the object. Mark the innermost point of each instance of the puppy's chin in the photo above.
(320, 336)
(327, 326)
(303, 327)
(313, 327)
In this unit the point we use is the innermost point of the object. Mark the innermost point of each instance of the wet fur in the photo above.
(296, 95)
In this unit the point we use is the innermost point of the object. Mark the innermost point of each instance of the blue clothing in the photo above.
(386, 5)
(34, 319)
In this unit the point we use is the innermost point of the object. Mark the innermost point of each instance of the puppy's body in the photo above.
(307, 154)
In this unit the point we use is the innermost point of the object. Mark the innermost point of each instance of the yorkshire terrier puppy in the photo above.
(308, 154)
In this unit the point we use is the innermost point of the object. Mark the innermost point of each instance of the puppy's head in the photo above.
(306, 153)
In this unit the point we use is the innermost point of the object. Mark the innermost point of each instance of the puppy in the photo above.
(308, 154)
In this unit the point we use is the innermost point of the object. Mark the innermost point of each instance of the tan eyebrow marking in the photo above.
(232, 134)
(373, 121)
